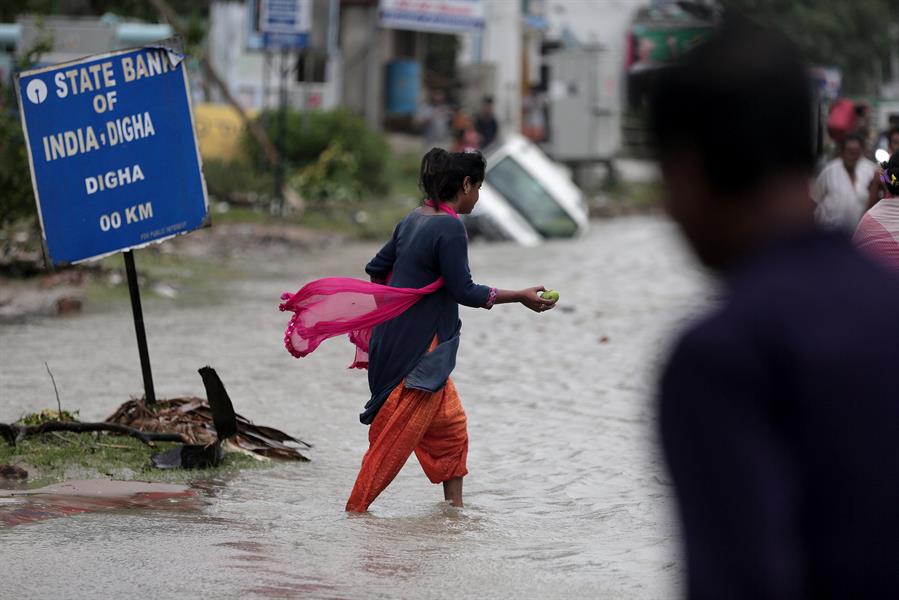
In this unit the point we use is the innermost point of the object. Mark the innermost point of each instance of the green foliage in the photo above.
(47, 415)
(403, 172)
(237, 180)
(10, 9)
(308, 134)
(66, 455)
(852, 35)
(16, 197)
(334, 177)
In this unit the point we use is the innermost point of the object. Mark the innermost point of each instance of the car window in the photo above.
(528, 197)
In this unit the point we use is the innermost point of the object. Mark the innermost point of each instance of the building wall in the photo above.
(500, 45)
(365, 49)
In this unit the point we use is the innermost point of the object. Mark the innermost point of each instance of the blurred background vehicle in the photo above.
(526, 197)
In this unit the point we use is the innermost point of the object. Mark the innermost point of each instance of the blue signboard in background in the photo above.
(114, 157)
(279, 24)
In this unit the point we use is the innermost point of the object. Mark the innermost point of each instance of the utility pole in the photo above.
(282, 130)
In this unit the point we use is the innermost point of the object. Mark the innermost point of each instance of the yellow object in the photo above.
(219, 131)
(551, 295)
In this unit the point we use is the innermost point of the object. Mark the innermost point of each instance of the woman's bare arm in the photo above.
(528, 297)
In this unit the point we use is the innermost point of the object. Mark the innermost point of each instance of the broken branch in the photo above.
(53, 379)
(12, 432)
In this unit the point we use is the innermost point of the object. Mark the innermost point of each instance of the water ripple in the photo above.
(567, 496)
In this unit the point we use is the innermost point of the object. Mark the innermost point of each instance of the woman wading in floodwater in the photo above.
(419, 279)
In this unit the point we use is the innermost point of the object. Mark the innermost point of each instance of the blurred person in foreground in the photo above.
(779, 409)
(846, 187)
(878, 231)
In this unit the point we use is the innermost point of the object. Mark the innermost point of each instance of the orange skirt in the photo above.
(432, 424)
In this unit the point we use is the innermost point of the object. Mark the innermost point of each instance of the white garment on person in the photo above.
(841, 203)
(435, 119)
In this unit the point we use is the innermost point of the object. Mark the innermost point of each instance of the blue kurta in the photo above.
(423, 248)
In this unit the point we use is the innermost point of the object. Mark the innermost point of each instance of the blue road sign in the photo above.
(274, 40)
(285, 23)
(114, 158)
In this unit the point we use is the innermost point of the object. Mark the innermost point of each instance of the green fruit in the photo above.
(551, 295)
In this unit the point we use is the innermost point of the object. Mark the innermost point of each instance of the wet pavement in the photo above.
(567, 496)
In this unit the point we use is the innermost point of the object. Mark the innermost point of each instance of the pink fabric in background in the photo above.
(878, 233)
(340, 305)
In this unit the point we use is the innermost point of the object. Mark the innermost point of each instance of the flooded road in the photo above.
(567, 495)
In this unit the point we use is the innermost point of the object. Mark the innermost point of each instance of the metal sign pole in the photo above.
(282, 127)
(131, 271)
(266, 70)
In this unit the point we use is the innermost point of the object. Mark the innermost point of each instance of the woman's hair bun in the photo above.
(435, 161)
(443, 173)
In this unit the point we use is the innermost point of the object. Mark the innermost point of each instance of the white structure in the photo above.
(502, 46)
(72, 38)
(592, 23)
(603, 28)
(509, 46)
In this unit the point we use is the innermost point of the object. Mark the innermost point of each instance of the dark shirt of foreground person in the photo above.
(779, 409)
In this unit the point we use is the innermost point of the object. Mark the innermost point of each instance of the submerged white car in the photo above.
(526, 197)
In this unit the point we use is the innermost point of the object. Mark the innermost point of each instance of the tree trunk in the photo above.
(13, 432)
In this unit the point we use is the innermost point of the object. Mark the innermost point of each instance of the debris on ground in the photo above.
(13, 472)
(189, 456)
(195, 420)
(68, 305)
(192, 418)
(204, 431)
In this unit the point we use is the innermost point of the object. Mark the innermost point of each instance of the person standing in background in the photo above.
(465, 137)
(878, 231)
(534, 108)
(434, 120)
(889, 142)
(889, 139)
(485, 122)
(892, 145)
(846, 187)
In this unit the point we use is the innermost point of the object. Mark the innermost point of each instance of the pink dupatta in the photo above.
(334, 306)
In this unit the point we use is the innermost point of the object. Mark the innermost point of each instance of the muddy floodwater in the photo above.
(567, 496)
